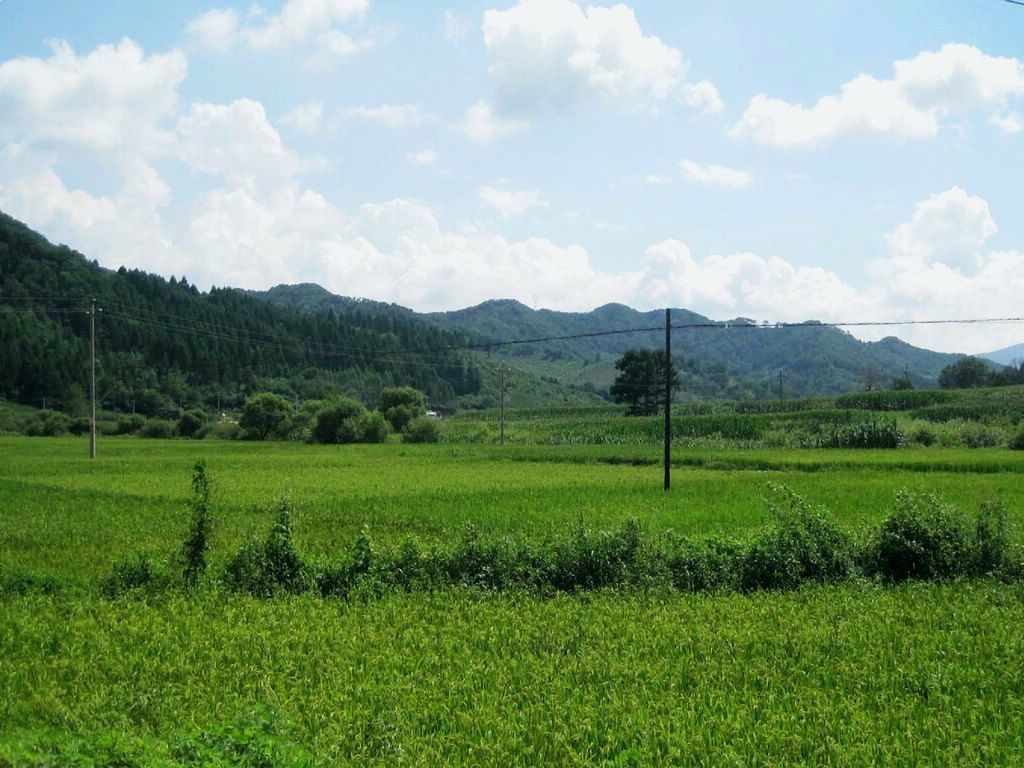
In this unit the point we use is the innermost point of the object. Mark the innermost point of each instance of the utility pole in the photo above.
(92, 380)
(501, 369)
(780, 386)
(668, 399)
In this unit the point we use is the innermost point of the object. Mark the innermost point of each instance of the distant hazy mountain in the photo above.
(1006, 355)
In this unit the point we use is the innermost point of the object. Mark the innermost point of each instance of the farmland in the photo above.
(844, 674)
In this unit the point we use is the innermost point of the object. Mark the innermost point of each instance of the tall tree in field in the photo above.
(641, 380)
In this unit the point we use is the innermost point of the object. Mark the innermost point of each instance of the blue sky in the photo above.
(836, 160)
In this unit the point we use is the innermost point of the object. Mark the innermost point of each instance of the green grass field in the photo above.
(847, 675)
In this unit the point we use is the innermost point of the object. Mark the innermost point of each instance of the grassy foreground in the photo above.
(850, 675)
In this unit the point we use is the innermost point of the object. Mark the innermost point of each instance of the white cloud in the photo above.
(456, 27)
(422, 157)
(552, 55)
(320, 29)
(237, 142)
(924, 91)
(482, 125)
(510, 203)
(305, 118)
(121, 229)
(703, 97)
(388, 115)
(658, 180)
(949, 229)
(114, 98)
(714, 175)
(1007, 124)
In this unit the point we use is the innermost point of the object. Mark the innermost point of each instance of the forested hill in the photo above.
(731, 360)
(163, 343)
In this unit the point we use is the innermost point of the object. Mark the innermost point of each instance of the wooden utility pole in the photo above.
(668, 399)
(501, 368)
(92, 380)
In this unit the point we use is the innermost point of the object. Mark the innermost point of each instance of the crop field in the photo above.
(850, 673)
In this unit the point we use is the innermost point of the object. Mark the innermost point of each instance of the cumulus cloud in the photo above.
(321, 29)
(237, 142)
(114, 98)
(510, 203)
(714, 175)
(924, 91)
(553, 55)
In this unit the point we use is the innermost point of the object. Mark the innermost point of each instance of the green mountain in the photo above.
(163, 344)
(733, 358)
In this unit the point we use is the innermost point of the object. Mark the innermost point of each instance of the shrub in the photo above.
(197, 540)
(338, 422)
(1017, 442)
(79, 426)
(706, 566)
(922, 435)
(802, 546)
(138, 575)
(227, 430)
(264, 415)
(157, 429)
(400, 405)
(591, 560)
(47, 424)
(922, 539)
(130, 424)
(422, 429)
(271, 567)
(978, 436)
(372, 427)
(191, 422)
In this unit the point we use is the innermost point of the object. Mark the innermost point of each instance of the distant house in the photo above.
(433, 415)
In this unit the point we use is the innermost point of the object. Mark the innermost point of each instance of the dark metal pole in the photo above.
(668, 399)
(502, 369)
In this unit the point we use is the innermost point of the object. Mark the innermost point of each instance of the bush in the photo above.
(400, 405)
(47, 424)
(422, 429)
(707, 566)
(130, 424)
(801, 547)
(271, 567)
(1017, 442)
(372, 427)
(138, 575)
(191, 422)
(922, 435)
(978, 436)
(922, 539)
(79, 426)
(265, 415)
(338, 422)
(157, 429)
(227, 430)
